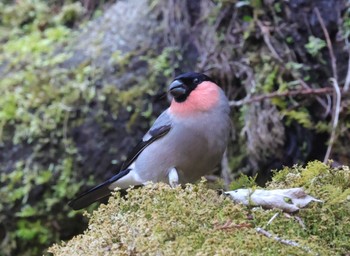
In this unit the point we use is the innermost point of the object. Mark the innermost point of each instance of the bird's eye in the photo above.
(196, 81)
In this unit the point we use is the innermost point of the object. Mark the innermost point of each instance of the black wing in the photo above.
(154, 135)
(161, 127)
(96, 193)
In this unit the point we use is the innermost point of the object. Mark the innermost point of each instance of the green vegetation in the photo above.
(275, 48)
(315, 45)
(41, 101)
(157, 219)
(37, 103)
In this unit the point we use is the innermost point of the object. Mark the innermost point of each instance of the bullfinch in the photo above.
(186, 141)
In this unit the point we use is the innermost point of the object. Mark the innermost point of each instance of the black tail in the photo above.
(96, 193)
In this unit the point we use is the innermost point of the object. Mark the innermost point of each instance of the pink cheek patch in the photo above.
(203, 98)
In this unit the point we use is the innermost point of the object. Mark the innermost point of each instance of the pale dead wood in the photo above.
(335, 118)
(334, 80)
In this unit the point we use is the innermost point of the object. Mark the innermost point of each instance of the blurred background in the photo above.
(80, 82)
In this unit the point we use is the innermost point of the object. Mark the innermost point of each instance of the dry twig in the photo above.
(277, 238)
(297, 218)
(329, 44)
(347, 80)
(272, 218)
(230, 225)
(326, 106)
(334, 80)
(281, 240)
(319, 91)
(335, 117)
(300, 221)
(266, 35)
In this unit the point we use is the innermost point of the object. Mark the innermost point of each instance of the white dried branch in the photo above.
(335, 117)
(347, 80)
(288, 200)
(281, 240)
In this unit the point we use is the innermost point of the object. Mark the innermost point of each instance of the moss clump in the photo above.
(327, 223)
(157, 219)
(42, 101)
(71, 13)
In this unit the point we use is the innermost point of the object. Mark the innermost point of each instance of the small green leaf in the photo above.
(43, 177)
(27, 211)
(315, 45)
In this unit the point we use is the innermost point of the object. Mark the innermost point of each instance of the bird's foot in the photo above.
(173, 177)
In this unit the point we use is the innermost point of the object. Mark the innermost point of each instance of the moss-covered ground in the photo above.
(195, 220)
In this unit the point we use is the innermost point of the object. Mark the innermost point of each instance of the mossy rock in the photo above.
(195, 220)
(67, 118)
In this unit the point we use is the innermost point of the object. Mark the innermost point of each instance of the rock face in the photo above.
(125, 28)
(101, 104)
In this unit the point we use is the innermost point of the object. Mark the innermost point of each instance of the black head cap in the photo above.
(184, 84)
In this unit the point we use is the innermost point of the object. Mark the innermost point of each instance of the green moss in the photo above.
(70, 14)
(329, 222)
(26, 227)
(42, 102)
(302, 116)
(157, 219)
(39, 105)
(243, 181)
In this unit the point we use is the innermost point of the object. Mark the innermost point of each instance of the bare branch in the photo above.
(319, 91)
(347, 80)
(272, 218)
(335, 117)
(281, 240)
(329, 44)
(319, 99)
(266, 35)
(337, 93)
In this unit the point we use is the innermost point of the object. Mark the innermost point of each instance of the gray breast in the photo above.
(194, 146)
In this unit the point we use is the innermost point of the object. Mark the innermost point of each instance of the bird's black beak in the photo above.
(177, 89)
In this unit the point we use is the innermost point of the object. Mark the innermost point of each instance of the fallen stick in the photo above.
(288, 200)
(281, 240)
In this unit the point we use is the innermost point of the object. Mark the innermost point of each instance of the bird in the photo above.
(187, 140)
